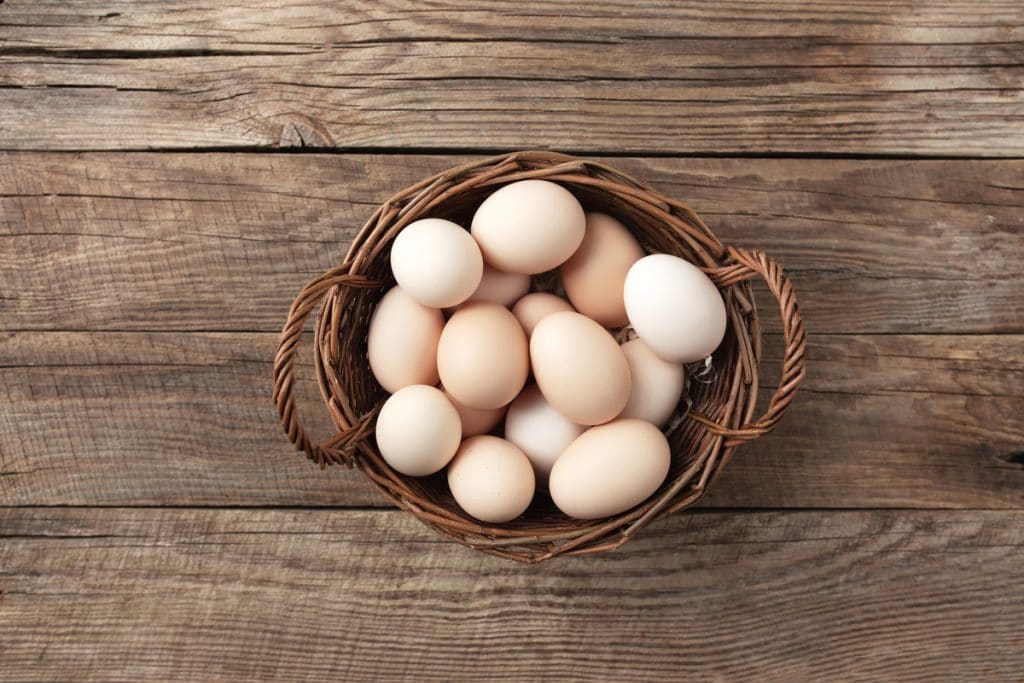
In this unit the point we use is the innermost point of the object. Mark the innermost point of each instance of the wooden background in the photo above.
(171, 175)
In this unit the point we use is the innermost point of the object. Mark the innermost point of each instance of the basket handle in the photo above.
(332, 450)
(748, 265)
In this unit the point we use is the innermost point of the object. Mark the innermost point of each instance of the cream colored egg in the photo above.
(580, 368)
(656, 384)
(475, 420)
(610, 469)
(675, 308)
(482, 356)
(418, 430)
(529, 226)
(594, 276)
(436, 262)
(491, 479)
(501, 287)
(402, 341)
(532, 308)
(539, 430)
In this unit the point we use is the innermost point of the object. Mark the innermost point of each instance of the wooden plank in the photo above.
(138, 595)
(891, 421)
(202, 242)
(164, 419)
(934, 35)
(719, 77)
(925, 421)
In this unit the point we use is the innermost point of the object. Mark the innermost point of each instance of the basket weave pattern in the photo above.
(721, 413)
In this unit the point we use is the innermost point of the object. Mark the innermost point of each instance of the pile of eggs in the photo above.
(457, 340)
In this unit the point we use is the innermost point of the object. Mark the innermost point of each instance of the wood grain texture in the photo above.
(224, 241)
(720, 77)
(138, 595)
(126, 418)
(141, 294)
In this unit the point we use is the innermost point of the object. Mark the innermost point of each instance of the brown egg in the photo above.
(533, 307)
(610, 468)
(594, 276)
(402, 341)
(482, 356)
(476, 420)
(656, 384)
(579, 368)
(500, 287)
(491, 479)
(528, 226)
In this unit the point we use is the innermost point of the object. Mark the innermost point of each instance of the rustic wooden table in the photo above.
(171, 175)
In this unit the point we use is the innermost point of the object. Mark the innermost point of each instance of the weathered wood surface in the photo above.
(224, 241)
(151, 594)
(718, 77)
(130, 418)
(141, 294)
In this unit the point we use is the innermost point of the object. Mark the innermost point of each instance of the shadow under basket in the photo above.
(703, 434)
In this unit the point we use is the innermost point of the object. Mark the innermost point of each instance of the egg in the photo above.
(491, 479)
(595, 274)
(482, 356)
(533, 307)
(539, 430)
(402, 340)
(418, 430)
(436, 262)
(501, 287)
(529, 226)
(579, 368)
(675, 308)
(609, 469)
(656, 384)
(475, 420)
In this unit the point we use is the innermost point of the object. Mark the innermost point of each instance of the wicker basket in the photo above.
(721, 412)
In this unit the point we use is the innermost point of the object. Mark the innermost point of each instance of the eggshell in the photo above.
(418, 430)
(533, 307)
(580, 368)
(402, 341)
(491, 479)
(610, 469)
(436, 262)
(675, 308)
(539, 430)
(529, 226)
(656, 384)
(594, 276)
(482, 356)
(501, 287)
(476, 421)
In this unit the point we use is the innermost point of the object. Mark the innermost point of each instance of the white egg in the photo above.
(655, 384)
(436, 262)
(539, 430)
(675, 308)
(418, 430)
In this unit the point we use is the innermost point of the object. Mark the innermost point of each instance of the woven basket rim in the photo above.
(725, 419)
